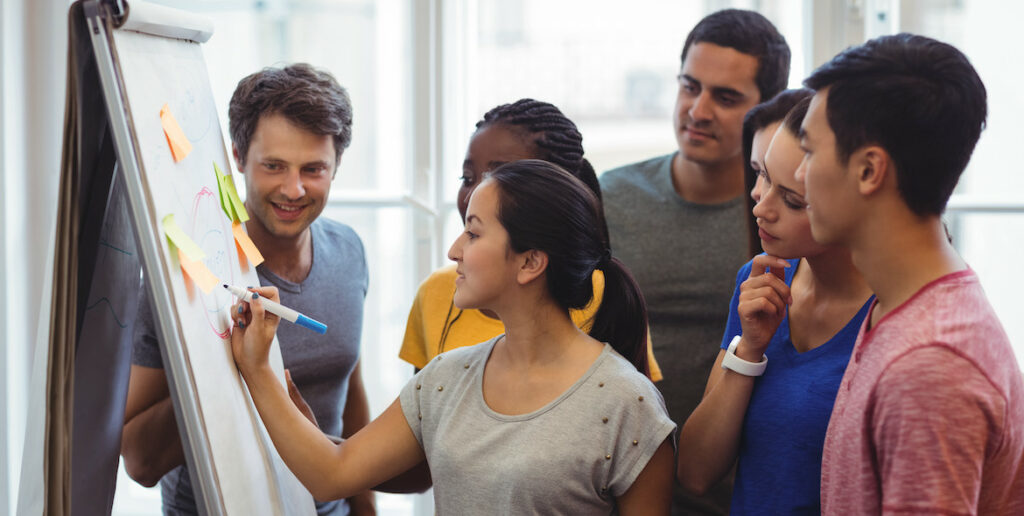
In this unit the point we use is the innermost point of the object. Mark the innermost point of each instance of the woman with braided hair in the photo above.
(542, 419)
(524, 129)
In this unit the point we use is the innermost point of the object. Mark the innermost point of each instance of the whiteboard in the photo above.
(249, 475)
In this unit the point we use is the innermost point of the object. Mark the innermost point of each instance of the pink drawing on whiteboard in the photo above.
(214, 236)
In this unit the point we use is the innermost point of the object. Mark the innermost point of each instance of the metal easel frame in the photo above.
(101, 16)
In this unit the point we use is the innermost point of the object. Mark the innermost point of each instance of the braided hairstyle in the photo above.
(553, 136)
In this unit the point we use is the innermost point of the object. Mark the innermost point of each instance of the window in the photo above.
(986, 214)
(610, 68)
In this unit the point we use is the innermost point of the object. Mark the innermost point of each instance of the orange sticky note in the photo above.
(198, 272)
(245, 243)
(180, 146)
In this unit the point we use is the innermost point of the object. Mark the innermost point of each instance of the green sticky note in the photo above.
(225, 201)
(240, 214)
(181, 240)
(229, 200)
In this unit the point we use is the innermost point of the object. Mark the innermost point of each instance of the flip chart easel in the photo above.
(123, 177)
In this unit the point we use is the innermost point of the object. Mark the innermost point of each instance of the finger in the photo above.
(768, 293)
(241, 315)
(779, 285)
(778, 301)
(237, 341)
(771, 306)
(259, 314)
(767, 280)
(760, 264)
(270, 293)
(763, 281)
(238, 310)
(778, 268)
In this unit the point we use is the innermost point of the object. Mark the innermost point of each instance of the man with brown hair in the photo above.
(289, 127)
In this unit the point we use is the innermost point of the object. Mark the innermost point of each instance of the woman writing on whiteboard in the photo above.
(542, 419)
(524, 129)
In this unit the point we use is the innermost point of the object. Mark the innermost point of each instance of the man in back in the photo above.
(679, 221)
(930, 413)
(289, 127)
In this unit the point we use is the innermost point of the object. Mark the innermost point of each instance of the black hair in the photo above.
(750, 33)
(553, 136)
(309, 98)
(544, 207)
(759, 117)
(919, 99)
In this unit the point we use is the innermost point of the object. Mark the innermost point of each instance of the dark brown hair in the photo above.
(750, 33)
(544, 207)
(760, 116)
(307, 97)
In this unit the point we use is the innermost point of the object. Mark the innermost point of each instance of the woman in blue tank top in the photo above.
(793, 321)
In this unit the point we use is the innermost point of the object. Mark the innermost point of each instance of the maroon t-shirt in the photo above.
(930, 412)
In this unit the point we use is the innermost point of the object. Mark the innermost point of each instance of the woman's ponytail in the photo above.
(622, 318)
(544, 207)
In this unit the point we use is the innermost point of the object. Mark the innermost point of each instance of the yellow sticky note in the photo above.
(245, 243)
(198, 272)
(181, 240)
(176, 140)
(229, 200)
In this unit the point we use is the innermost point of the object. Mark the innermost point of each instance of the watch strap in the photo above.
(737, 364)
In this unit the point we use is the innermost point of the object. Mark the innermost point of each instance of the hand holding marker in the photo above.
(280, 310)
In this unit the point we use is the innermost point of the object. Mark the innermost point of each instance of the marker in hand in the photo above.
(280, 310)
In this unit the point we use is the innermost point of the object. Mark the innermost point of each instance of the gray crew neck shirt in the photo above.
(575, 455)
(684, 256)
(320, 365)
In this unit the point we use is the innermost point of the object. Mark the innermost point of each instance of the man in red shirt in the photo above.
(930, 413)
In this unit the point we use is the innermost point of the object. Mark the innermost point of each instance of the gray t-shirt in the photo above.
(684, 256)
(573, 456)
(320, 365)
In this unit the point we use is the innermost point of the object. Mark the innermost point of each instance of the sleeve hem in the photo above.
(665, 429)
(414, 359)
(410, 410)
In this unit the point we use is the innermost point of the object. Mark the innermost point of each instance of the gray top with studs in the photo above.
(575, 455)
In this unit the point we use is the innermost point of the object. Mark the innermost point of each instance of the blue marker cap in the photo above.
(316, 326)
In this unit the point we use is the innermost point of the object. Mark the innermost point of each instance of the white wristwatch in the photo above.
(735, 363)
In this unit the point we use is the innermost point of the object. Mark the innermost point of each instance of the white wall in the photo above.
(32, 80)
(5, 460)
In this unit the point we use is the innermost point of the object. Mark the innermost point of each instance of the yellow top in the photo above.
(436, 325)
